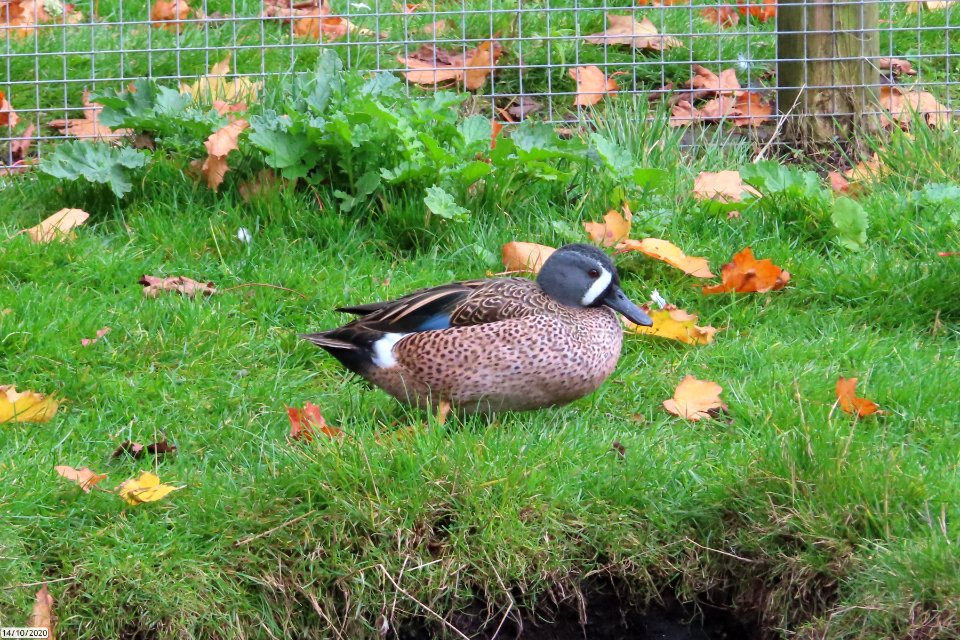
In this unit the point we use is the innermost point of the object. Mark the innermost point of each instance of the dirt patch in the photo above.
(601, 612)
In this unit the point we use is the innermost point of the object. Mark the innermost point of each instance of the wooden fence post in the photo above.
(827, 72)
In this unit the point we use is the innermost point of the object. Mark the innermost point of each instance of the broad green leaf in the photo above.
(473, 171)
(770, 177)
(651, 179)
(381, 83)
(441, 203)
(95, 162)
(615, 157)
(477, 133)
(851, 222)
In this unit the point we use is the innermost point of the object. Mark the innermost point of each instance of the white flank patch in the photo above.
(598, 287)
(383, 350)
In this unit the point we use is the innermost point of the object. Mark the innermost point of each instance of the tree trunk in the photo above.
(827, 72)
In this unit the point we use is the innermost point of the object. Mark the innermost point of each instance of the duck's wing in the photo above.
(451, 305)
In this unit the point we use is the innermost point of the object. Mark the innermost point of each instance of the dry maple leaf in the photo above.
(8, 117)
(57, 226)
(669, 253)
(696, 399)
(750, 110)
(850, 403)
(614, 228)
(855, 179)
(706, 80)
(592, 85)
(42, 614)
(897, 66)
(89, 125)
(215, 86)
(27, 406)
(746, 274)
(639, 35)
(304, 422)
(219, 145)
(146, 488)
(153, 286)
(525, 257)
(724, 16)
(904, 105)
(430, 66)
(86, 478)
(86, 342)
(722, 186)
(25, 15)
(167, 15)
(762, 11)
(674, 324)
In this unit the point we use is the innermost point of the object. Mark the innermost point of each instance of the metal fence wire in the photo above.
(543, 59)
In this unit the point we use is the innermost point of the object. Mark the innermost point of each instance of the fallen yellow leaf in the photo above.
(25, 407)
(669, 253)
(614, 228)
(57, 226)
(216, 86)
(146, 488)
(674, 324)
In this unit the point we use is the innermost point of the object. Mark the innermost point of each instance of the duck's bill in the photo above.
(617, 300)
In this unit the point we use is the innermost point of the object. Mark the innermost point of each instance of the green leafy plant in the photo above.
(95, 162)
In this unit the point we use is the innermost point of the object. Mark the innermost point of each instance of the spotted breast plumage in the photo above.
(496, 344)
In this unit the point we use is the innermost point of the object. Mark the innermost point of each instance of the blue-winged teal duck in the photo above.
(497, 344)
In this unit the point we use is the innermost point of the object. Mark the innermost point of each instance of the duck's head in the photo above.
(581, 275)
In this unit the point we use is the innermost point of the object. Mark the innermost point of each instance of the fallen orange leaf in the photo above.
(525, 256)
(167, 15)
(430, 66)
(592, 84)
(724, 16)
(639, 35)
(614, 228)
(696, 399)
(762, 11)
(304, 421)
(86, 478)
(904, 105)
(850, 403)
(723, 186)
(89, 125)
(57, 226)
(674, 324)
(153, 286)
(219, 145)
(669, 253)
(746, 274)
(706, 80)
(481, 64)
(8, 117)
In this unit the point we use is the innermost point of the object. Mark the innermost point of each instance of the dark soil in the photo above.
(605, 616)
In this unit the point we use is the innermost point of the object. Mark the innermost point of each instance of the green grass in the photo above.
(800, 515)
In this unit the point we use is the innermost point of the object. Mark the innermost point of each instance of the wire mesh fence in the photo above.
(702, 62)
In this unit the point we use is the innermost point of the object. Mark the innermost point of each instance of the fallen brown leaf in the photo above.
(219, 145)
(706, 80)
(89, 125)
(696, 399)
(671, 254)
(57, 226)
(904, 105)
(674, 324)
(639, 35)
(430, 66)
(86, 478)
(42, 614)
(525, 257)
(153, 286)
(86, 342)
(137, 450)
(746, 274)
(8, 117)
(614, 228)
(592, 85)
(850, 403)
(481, 64)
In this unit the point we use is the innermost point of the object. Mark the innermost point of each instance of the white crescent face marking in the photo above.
(599, 286)
(383, 350)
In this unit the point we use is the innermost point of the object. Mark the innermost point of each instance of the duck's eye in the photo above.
(594, 273)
